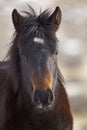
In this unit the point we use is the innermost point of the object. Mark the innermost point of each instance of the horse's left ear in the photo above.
(17, 19)
(55, 18)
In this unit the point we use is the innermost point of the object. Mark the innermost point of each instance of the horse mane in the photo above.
(36, 25)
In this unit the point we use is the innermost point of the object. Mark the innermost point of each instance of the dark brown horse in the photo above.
(32, 94)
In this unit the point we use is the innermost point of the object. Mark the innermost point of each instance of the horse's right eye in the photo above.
(56, 52)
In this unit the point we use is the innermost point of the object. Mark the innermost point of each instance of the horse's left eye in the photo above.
(56, 52)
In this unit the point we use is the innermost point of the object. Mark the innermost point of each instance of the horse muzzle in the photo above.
(43, 98)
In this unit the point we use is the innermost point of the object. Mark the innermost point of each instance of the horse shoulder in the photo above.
(63, 111)
(4, 83)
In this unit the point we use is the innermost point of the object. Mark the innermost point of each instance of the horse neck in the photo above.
(61, 98)
(14, 66)
(20, 76)
(25, 81)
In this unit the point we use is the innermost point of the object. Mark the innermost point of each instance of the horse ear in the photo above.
(55, 18)
(17, 19)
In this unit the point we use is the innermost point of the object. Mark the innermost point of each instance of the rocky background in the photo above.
(72, 59)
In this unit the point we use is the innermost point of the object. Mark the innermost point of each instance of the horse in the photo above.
(32, 92)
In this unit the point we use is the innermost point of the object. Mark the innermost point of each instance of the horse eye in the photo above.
(56, 52)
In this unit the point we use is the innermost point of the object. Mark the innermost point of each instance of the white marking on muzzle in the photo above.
(38, 40)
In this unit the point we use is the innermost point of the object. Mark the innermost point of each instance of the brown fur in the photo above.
(17, 111)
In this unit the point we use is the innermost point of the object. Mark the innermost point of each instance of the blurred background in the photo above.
(72, 58)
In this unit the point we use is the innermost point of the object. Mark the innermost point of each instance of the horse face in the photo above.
(43, 76)
(38, 49)
(41, 65)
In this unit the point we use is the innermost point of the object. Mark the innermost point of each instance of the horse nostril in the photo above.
(43, 97)
(50, 98)
(36, 98)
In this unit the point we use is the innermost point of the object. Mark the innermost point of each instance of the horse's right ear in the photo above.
(55, 18)
(17, 19)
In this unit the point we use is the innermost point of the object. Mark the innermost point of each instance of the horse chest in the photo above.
(50, 125)
(45, 127)
(38, 123)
